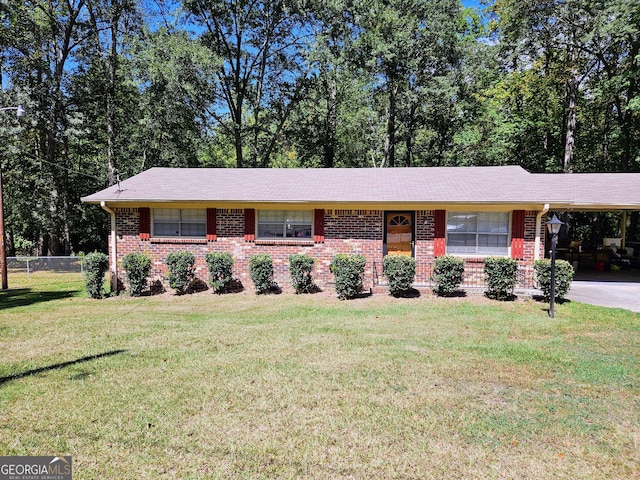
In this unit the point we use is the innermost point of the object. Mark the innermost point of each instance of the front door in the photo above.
(399, 226)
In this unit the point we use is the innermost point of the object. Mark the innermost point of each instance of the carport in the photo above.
(600, 278)
(600, 210)
(599, 241)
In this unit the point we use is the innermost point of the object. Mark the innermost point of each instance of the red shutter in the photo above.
(517, 234)
(249, 224)
(145, 223)
(212, 218)
(318, 225)
(439, 233)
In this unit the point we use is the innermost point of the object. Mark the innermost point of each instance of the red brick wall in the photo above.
(346, 231)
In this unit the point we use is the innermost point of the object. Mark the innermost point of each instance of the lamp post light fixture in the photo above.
(554, 226)
(3, 252)
(19, 110)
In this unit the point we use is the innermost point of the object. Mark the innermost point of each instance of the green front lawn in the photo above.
(299, 386)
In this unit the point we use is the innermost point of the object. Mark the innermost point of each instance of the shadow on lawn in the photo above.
(58, 366)
(411, 293)
(22, 297)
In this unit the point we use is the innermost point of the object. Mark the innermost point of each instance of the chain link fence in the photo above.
(31, 265)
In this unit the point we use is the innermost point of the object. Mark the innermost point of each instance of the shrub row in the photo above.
(447, 273)
(182, 270)
(400, 270)
(348, 269)
(501, 275)
(95, 265)
(300, 267)
(564, 276)
(220, 266)
(261, 272)
(181, 265)
(137, 267)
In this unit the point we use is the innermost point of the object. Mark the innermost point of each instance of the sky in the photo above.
(471, 3)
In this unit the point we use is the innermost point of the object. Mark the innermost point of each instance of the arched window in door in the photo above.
(399, 220)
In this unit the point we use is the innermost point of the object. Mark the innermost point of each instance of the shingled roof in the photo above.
(428, 185)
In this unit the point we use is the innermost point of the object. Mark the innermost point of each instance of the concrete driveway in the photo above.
(619, 289)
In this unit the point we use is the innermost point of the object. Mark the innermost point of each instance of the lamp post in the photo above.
(554, 226)
(3, 252)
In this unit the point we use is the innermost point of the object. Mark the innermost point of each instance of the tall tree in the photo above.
(615, 88)
(263, 72)
(110, 20)
(176, 75)
(411, 47)
(584, 38)
(43, 38)
(331, 125)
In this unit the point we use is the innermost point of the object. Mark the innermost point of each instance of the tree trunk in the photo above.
(390, 140)
(331, 124)
(44, 244)
(409, 154)
(255, 144)
(411, 126)
(111, 98)
(55, 242)
(572, 102)
(626, 141)
(237, 140)
(572, 92)
(236, 105)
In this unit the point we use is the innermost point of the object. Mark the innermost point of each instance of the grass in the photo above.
(308, 386)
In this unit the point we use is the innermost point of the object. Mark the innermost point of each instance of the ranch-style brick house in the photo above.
(473, 212)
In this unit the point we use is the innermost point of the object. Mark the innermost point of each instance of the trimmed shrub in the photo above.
(447, 274)
(95, 266)
(348, 270)
(300, 267)
(182, 270)
(564, 276)
(220, 266)
(261, 272)
(501, 273)
(137, 267)
(400, 270)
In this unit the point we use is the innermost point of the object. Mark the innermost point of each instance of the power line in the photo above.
(36, 159)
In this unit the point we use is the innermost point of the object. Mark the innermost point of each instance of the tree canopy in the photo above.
(113, 87)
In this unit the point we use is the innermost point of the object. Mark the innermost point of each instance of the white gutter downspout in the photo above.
(114, 253)
(545, 209)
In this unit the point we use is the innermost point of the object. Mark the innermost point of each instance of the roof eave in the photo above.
(418, 204)
(592, 206)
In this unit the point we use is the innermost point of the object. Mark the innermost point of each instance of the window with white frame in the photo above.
(478, 233)
(174, 222)
(285, 223)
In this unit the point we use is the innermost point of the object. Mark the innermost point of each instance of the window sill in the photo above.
(477, 258)
(284, 241)
(183, 240)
